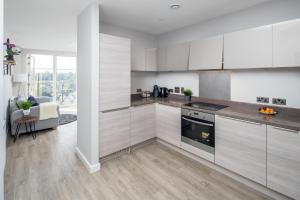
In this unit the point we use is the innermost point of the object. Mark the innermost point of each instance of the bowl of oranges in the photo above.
(267, 111)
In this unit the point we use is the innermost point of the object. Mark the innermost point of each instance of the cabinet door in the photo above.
(151, 64)
(168, 124)
(206, 53)
(178, 57)
(142, 123)
(240, 146)
(114, 72)
(250, 48)
(114, 131)
(138, 59)
(162, 59)
(283, 147)
(286, 47)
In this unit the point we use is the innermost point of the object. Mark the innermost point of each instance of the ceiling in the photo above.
(156, 16)
(43, 24)
(51, 24)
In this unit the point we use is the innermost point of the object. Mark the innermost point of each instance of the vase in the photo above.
(26, 112)
(188, 98)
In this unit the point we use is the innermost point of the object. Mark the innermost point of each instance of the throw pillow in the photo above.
(33, 101)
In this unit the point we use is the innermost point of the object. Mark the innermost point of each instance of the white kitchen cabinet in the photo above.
(162, 59)
(178, 57)
(283, 171)
(114, 131)
(138, 59)
(151, 60)
(240, 146)
(114, 72)
(173, 58)
(168, 124)
(144, 59)
(250, 48)
(206, 53)
(286, 41)
(142, 123)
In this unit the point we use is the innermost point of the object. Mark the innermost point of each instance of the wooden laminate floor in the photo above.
(47, 168)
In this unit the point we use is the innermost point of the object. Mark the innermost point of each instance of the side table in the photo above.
(29, 123)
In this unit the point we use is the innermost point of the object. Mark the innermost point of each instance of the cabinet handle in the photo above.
(113, 110)
(196, 122)
(285, 129)
(240, 120)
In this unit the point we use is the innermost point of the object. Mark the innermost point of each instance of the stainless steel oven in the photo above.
(198, 129)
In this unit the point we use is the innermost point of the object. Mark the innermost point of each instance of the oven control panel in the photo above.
(198, 115)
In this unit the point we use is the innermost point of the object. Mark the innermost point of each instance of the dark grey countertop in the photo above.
(288, 118)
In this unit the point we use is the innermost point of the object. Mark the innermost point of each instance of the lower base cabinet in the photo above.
(114, 131)
(283, 164)
(142, 123)
(240, 146)
(265, 154)
(168, 124)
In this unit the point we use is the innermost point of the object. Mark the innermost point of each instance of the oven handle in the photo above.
(196, 122)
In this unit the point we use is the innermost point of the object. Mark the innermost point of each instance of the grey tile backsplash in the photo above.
(214, 84)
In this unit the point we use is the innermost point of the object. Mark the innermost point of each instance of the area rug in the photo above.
(67, 118)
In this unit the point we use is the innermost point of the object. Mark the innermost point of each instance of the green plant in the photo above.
(25, 105)
(188, 92)
(11, 50)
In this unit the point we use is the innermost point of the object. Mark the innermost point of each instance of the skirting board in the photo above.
(245, 181)
(91, 168)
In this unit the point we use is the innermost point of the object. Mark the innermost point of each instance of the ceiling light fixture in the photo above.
(175, 7)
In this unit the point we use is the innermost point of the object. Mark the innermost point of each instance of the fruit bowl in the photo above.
(267, 111)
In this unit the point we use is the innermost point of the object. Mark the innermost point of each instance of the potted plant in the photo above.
(11, 50)
(188, 94)
(25, 106)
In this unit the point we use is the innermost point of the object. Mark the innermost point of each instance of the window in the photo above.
(66, 89)
(54, 76)
(42, 75)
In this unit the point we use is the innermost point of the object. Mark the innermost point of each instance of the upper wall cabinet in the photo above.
(206, 53)
(138, 59)
(250, 48)
(286, 38)
(178, 57)
(143, 59)
(151, 61)
(162, 59)
(173, 58)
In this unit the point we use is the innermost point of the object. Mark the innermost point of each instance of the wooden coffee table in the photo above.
(29, 123)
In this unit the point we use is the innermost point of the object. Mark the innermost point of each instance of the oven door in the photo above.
(198, 133)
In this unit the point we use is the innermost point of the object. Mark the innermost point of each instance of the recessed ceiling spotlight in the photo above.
(175, 7)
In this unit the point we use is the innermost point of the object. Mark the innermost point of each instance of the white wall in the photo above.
(247, 85)
(142, 80)
(2, 122)
(188, 80)
(146, 80)
(88, 86)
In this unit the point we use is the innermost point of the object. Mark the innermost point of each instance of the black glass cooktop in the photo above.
(206, 106)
